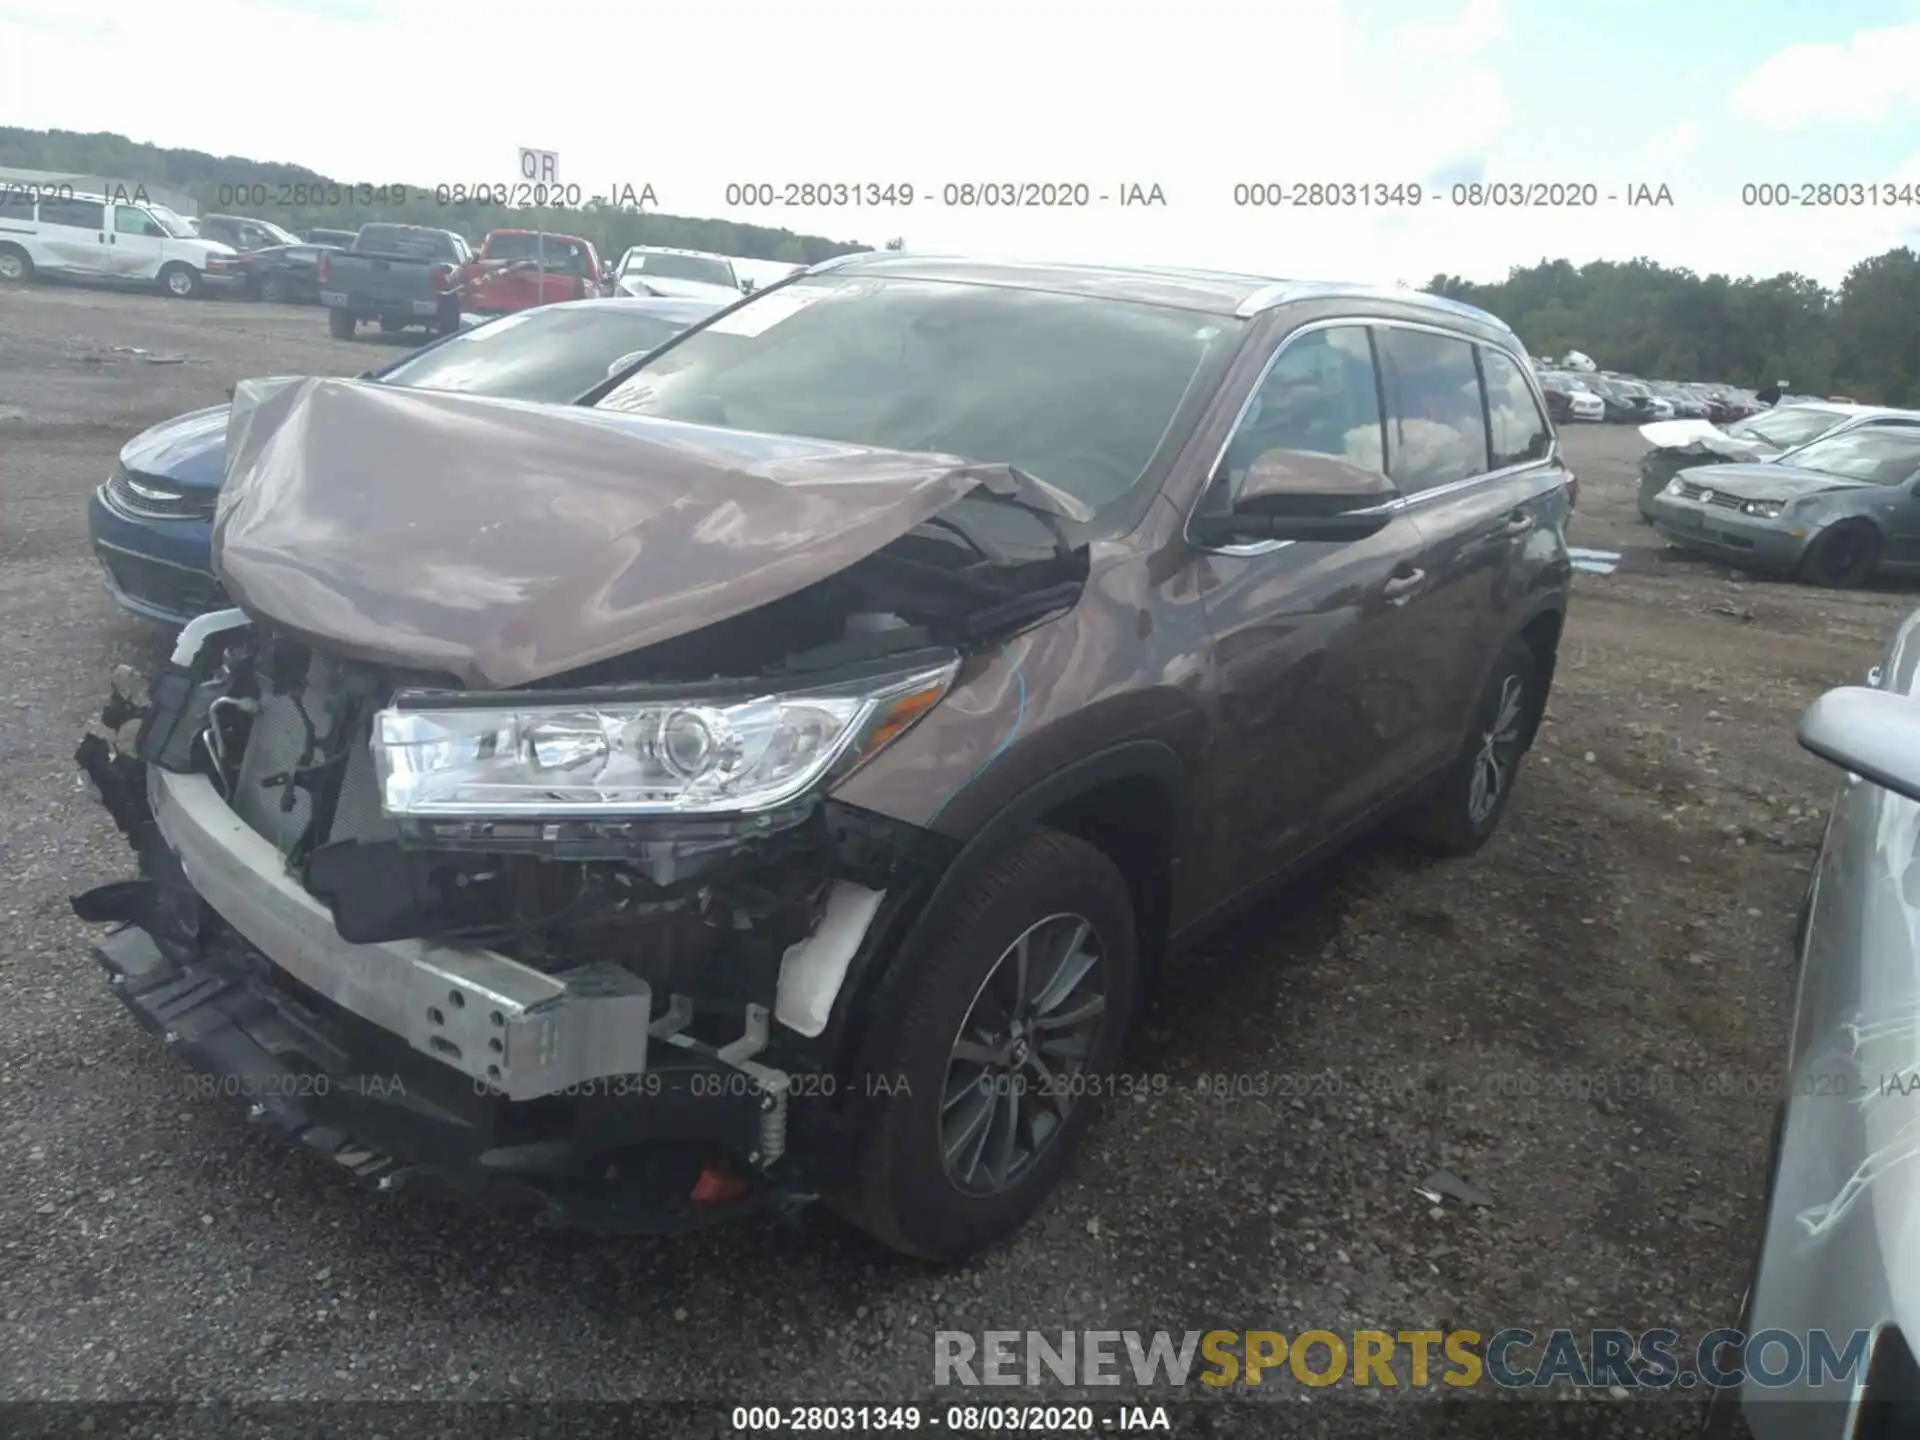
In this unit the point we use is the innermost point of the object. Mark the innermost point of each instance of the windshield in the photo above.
(568, 257)
(1079, 392)
(276, 234)
(548, 354)
(679, 267)
(1870, 454)
(171, 222)
(1784, 429)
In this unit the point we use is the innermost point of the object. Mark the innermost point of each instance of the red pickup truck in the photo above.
(518, 269)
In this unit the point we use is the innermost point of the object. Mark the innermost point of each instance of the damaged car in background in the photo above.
(1682, 444)
(1837, 512)
(774, 777)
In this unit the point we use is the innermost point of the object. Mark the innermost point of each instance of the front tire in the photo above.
(990, 1044)
(273, 289)
(1462, 815)
(181, 282)
(16, 266)
(341, 324)
(1842, 557)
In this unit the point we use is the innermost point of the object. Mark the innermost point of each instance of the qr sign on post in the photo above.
(541, 167)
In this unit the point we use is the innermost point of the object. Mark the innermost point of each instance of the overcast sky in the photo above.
(1192, 97)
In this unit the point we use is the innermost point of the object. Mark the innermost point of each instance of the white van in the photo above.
(105, 238)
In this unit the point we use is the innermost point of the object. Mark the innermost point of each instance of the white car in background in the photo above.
(92, 237)
(683, 274)
(1583, 404)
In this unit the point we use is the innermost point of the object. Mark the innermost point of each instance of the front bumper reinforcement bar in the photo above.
(507, 1025)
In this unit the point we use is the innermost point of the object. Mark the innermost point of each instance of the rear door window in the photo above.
(1519, 431)
(1436, 414)
(74, 214)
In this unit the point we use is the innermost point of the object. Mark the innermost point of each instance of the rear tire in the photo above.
(341, 324)
(16, 266)
(1842, 557)
(952, 1159)
(1462, 815)
(273, 289)
(448, 320)
(180, 282)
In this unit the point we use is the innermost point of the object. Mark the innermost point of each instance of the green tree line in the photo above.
(1861, 340)
(220, 182)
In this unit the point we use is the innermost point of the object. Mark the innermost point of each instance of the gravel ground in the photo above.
(1553, 1021)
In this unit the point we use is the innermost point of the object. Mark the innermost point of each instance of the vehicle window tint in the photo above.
(1318, 399)
(1869, 454)
(1080, 392)
(129, 221)
(16, 204)
(1789, 427)
(548, 354)
(1436, 421)
(79, 214)
(1520, 432)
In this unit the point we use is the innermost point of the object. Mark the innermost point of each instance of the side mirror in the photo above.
(747, 287)
(1869, 733)
(1300, 495)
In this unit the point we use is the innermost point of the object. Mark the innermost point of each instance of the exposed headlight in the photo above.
(1763, 509)
(1675, 485)
(612, 756)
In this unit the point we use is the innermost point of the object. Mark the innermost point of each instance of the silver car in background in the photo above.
(1841, 1246)
(1837, 512)
(1682, 444)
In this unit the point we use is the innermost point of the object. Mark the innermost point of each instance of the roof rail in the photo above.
(1264, 299)
(836, 262)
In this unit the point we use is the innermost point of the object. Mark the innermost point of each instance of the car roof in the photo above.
(1214, 292)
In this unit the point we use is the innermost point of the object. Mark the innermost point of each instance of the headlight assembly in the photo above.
(1763, 509)
(616, 757)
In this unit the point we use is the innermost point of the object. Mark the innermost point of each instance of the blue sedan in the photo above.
(152, 522)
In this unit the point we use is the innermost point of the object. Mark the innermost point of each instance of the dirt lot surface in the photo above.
(1554, 1021)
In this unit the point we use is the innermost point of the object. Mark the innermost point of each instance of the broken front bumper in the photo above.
(406, 1062)
(495, 1020)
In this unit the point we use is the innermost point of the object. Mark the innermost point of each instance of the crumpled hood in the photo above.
(1766, 482)
(1703, 437)
(506, 542)
(188, 450)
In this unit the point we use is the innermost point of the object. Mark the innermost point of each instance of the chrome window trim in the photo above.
(1398, 503)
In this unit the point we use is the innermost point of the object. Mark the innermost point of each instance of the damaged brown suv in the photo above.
(774, 776)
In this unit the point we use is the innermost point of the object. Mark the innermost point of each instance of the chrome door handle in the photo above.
(1400, 588)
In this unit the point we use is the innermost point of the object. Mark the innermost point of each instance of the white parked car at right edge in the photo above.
(94, 237)
(683, 274)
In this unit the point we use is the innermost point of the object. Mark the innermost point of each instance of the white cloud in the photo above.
(1475, 28)
(1863, 79)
